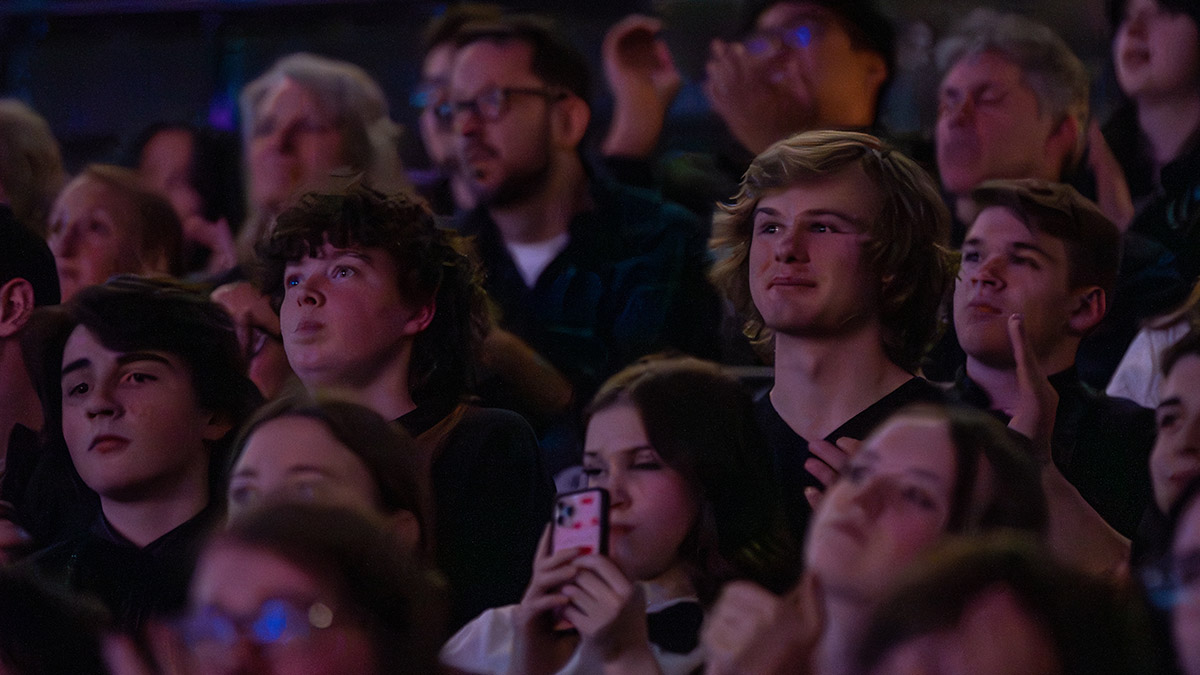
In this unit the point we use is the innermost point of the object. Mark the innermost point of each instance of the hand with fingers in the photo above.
(539, 647)
(1037, 401)
(759, 106)
(827, 463)
(609, 612)
(751, 631)
(644, 81)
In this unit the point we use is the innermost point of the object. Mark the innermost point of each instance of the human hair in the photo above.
(907, 245)
(432, 269)
(1094, 626)
(1048, 67)
(31, 170)
(376, 581)
(1092, 241)
(159, 232)
(130, 313)
(443, 28)
(47, 630)
(25, 255)
(1116, 10)
(1012, 496)
(554, 60)
(386, 450)
(701, 422)
(216, 169)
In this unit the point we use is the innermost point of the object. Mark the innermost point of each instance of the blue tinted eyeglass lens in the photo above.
(276, 622)
(444, 112)
(209, 627)
(759, 45)
(419, 98)
(798, 37)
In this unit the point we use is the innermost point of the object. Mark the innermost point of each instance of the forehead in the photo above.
(485, 62)
(85, 194)
(785, 14)
(999, 226)
(849, 191)
(289, 96)
(292, 440)
(1184, 379)
(984, 68)
(909, 443)
(615, 429)
(238, 578)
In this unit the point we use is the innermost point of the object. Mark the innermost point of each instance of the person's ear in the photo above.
(16, 305)
(407, 528)
(569, 118)
(420, 319)
(875, 71)
(1091, 304)
(1063, 145)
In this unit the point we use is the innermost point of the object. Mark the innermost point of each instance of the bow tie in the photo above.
(676, 628)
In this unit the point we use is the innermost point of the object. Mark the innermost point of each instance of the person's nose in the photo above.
(102, 401)
(311, 291)
(959, 112)
(792, 246)
(871, 495)
(65, 242)
(989, 272)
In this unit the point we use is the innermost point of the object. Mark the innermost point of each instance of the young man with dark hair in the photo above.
(834, 250)
(1041, 251)
(150, 387)
(380, 307)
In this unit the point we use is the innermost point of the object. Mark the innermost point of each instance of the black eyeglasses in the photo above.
(492, 104)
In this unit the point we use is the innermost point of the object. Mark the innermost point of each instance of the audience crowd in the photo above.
(837, 400)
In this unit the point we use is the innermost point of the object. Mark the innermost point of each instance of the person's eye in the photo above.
(1024, 261)
(990, 97)
(78, 389)
(769, 227)
(822, 228)
(291, 280)
(97, 227)
(591, 471)
(137, 377)
(344, 272)
(306, 491)
(242, 495)
(917, 497)
(1167, 420)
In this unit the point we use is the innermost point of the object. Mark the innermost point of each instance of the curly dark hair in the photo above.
(433, 268)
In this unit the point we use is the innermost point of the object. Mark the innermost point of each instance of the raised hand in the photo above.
(751, 631)
(758, 102)
(1037, 401)
(644, 82)
(827, 464)
(538, 648)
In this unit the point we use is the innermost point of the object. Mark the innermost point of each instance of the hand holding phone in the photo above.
(580, 520)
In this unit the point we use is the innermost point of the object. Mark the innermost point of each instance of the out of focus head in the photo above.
(306, 118)
(330, 452)
(26, 260)
(303, 588)
(199, 169)
(689, 484)
(1156, 47)
(44, 629)
(107, 222)
(842, 52)
(1013, 102)
(1001, 605)
(924, 473)
(31, 171)
(1175, 460)
(903, 262)
(258, 333)
(1183, 561)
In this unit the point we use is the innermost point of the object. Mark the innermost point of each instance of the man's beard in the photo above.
(517, 187)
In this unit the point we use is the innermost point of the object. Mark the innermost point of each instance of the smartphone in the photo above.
(581, 521)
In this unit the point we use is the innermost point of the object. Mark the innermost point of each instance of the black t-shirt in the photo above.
(789, 450)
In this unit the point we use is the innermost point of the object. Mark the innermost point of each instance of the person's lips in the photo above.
(791, 281)
(848, 528)
(105, 443)
(985, 308)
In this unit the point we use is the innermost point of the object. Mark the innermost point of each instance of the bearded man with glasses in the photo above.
(591, 274)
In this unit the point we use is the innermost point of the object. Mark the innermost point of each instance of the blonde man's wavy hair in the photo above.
(907, 246)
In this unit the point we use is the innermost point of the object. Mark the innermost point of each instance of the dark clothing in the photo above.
(1101, 445)
(789, 450)
(51, 500)
(492, 499)
(135, 584)
(630, 282)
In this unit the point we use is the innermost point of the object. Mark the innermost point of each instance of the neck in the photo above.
(382, 389)
(1168, 123)
(1000, 381)
(820, 383)
(844, 620)
(144, 520)
(674, 583)
(548, 213)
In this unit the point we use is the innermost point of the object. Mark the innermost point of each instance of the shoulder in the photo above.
(642, 213)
